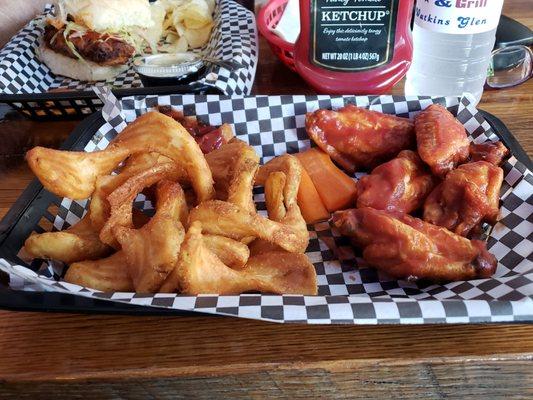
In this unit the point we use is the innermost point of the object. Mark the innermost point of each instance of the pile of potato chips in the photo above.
(182, 24)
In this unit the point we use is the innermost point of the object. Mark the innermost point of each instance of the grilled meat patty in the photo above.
(100, 48)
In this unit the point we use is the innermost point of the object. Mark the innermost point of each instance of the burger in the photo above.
(94, 40)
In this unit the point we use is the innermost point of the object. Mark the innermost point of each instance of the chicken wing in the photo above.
(407, 247)
(208, 137)
(359, 138)
(441, 139)
(493, 152)
(399, 185)
(468, 196)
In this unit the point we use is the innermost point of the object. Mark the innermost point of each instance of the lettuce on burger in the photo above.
(93, 40)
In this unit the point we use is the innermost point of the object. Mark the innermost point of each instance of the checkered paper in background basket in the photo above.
(349, 292)
(234, 37)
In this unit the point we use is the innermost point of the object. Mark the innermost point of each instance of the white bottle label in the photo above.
(458, 16)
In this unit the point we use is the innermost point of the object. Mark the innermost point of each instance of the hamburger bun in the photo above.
(77, 69)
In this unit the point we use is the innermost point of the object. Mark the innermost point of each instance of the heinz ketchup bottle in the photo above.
(354, 46)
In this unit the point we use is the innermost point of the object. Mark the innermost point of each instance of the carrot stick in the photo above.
(336, 189)
(311, 206)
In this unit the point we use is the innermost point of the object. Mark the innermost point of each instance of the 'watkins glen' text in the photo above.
(462, 22)
(432, 19)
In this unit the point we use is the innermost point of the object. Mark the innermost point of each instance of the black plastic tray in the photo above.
(32, 206)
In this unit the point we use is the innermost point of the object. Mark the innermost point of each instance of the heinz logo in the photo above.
(470, 3)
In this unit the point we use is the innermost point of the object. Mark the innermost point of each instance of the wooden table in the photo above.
(59, 355)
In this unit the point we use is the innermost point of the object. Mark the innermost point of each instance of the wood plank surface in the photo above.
(435, 379)
(54, 356)
(65, 347)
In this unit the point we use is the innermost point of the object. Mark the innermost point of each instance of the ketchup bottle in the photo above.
(354, 46)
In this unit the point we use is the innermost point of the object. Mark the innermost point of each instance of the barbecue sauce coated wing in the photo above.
(357, 138)
(399, 185)
(441, 139)
(468, 196)
(407, 247)
(493, 152)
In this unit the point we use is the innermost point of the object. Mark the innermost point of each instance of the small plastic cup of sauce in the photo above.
(169, 69)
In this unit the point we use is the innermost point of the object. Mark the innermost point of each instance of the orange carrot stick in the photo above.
(311, 205)
(336, 189)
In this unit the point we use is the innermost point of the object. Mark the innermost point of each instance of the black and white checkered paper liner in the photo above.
(349, 292)
(234, 37)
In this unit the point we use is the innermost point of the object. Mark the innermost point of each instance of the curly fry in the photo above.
(201, 271)
(243, 173)
(152, 251)
(77, 243)
(226, 219)
(121, 198)
(73, 174)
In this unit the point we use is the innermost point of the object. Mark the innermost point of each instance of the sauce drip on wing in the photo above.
(492, 152)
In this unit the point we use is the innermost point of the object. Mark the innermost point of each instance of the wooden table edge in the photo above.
(331, 367)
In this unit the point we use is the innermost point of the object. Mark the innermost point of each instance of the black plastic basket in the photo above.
(24, 217)
(31, 208)
(71, 105)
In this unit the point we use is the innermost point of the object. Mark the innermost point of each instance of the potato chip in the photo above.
(198, 37)
(172, 4)
(180, 28)
(190, 20)
(168, 22)
(211, 5)
(194, 14)
(175, 44)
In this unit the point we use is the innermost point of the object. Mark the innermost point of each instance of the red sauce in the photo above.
(208, 137)
(210, 141)
(354, 46)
